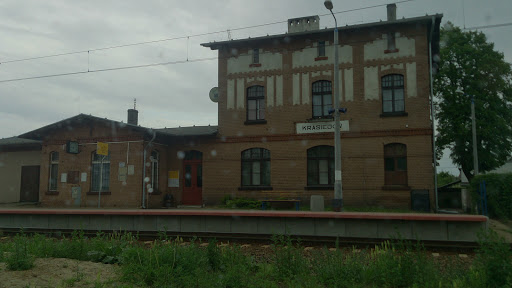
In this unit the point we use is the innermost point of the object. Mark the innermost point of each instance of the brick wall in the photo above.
(362, 146)
(362, 166)
(125, 146)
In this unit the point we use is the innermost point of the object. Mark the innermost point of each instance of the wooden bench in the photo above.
(265, 201)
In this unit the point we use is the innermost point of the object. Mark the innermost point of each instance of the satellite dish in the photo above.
(214, 94)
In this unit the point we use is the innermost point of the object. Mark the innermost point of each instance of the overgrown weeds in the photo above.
(174, 263)
(19, 258)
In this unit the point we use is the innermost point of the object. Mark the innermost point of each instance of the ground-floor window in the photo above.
(395, 164)
(255, 167)
(54, 171)
(321, 166)
(98, 171)
(155, 158)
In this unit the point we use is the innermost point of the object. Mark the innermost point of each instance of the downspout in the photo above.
(144, 169)
(432, 112)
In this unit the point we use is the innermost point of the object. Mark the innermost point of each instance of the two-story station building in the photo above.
(274, 136)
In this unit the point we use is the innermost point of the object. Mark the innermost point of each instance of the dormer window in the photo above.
(255, 56)
(321, 49)
(391, 43)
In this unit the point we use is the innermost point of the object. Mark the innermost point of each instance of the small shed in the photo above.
(20, 161)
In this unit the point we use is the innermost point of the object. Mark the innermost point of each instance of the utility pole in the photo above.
(473, 128)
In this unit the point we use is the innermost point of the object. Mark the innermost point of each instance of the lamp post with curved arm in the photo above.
(338, 192)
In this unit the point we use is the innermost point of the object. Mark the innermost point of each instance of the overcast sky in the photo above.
(167, 95)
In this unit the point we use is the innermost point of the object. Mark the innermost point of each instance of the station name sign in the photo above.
(320, 127)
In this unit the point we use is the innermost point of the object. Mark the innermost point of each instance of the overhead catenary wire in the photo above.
(182, 37)
(489, 26)
(109, 69)
(154, 64)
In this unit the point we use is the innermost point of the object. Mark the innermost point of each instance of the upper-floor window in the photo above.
(255, 56)
(322, 98)
(393, 94)
(100, 173)
(155, 157)
(255, 103)
(321, 49)
(321, 166)
(395, 164)
(255, 167)
(54, 171)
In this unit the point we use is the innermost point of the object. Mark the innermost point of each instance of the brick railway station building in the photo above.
(274, 136)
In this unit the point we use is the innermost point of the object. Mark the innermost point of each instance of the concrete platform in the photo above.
(346, 225)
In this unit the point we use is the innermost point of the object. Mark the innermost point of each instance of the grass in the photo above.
(169, 263)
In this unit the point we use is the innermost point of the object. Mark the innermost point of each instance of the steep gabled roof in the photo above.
(69, 123)
(79, 119)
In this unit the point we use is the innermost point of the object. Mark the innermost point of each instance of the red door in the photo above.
(192, 178)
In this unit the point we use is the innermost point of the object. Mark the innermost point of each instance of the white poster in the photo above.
(83, 177)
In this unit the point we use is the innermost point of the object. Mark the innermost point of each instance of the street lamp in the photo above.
(337, 202)
(473, 130)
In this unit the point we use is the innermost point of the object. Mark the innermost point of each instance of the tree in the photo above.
(444, 178)
(469, 63)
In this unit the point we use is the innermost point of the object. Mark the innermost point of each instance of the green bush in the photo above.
(499, 194)
(494, 260)
(243, 203)
(19, 259)
(226, 198)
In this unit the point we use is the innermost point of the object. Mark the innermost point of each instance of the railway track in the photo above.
(262, 240)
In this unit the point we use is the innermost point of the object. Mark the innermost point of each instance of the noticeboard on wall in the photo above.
(174, 179)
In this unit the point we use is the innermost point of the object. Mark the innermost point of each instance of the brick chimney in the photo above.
(133, 117)
(391, 12)
(309, 23)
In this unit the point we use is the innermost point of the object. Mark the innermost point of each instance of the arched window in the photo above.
(321, 166)
(54, 171)
(255, 167)
(395, 164)
(99, 170)
(393, 94)
(322, 98)
(255, 103)
(155, 157)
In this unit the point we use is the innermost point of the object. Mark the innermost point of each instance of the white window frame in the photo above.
(54, 161)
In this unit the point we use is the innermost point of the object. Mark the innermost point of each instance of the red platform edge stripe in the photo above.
(253, 213)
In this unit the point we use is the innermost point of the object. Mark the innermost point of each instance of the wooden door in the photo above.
(29, 189)
(192, 179)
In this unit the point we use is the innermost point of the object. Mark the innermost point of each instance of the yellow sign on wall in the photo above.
(173, 179)
(102, 148)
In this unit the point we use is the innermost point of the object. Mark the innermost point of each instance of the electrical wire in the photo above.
(489, 26)
(110, 69)
(181, 37)
(164, 63)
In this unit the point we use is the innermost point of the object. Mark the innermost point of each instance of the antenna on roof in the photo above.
(134, 103)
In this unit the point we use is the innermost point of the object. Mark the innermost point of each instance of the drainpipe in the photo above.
(432, 113)
(144, 169)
